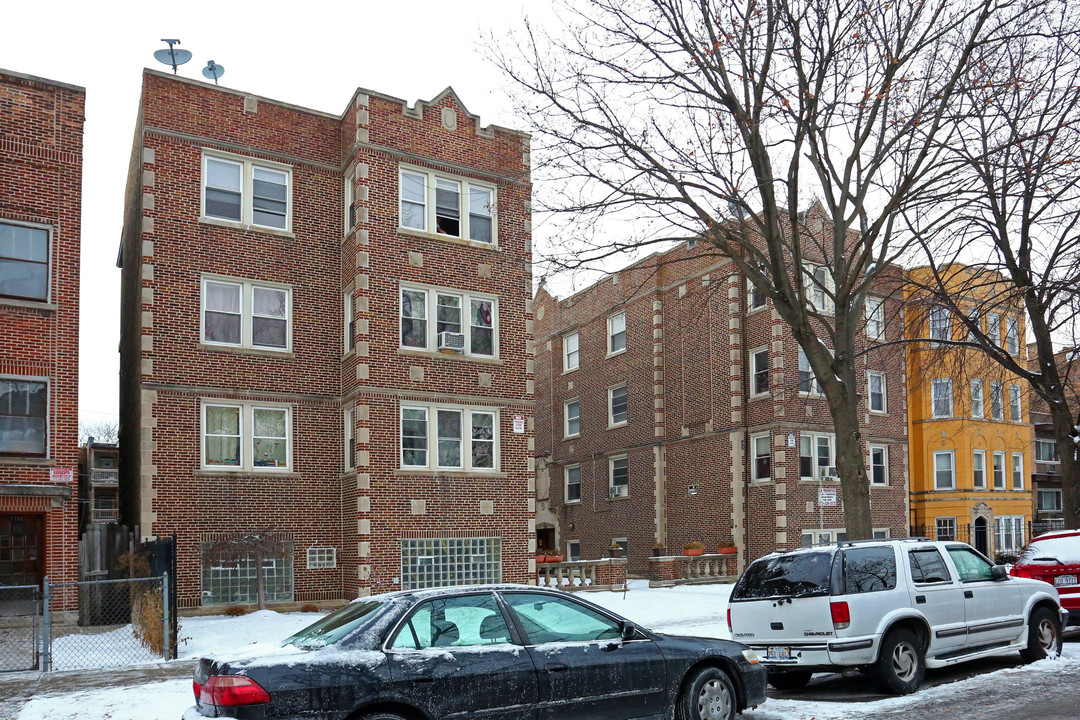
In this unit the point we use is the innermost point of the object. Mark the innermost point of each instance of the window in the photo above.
(882, 533)
(816, 457)
(818, 281)
(939, 323)
(573, 550)
(973, 316)
(446, 206)
(570, 352)
(944, 470)
(1015, 414)
(976, 398)
(24, 407)
(434, 562)
(617, 406)
(24, 261)
(1009, 534)
(762, 458)
(619, 476)
(823, 537)
(943, 398)
(417, 332)
(616, 331)
(927, 566)
(876, 381)
(248, 192)
(440, 437)
(1046, 451)
(757, 297)
(946, 528)
(233, 581)
(807, 381)
(978, 465)
(321, 558)
(997, 400)
(875, 318)
(549, 619)
(1049, 500)
(350, 205)
(879, 465)
(246, 436)
(572, 416)
(573, 483)
(245, 314)
(1018, 471)
(999, 471)
(971, 566)
(350, 439)
(454, 622)
(1012, 335)
(759, 360)
(993, 327)
(349, 329)
(869, 569)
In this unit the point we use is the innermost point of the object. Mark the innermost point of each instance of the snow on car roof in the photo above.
(446, 590)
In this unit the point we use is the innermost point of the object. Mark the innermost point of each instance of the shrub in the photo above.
(695, 545)
(309, 607)
(148, 618)
(236, 610)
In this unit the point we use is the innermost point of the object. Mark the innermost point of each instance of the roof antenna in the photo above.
(213, 71)
(172, 56)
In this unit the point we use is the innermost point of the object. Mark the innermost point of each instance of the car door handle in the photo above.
(423, 679)
(920, 599)
(968, 594)
(557, 667)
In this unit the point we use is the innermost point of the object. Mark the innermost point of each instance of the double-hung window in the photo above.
(875, 318)
(1018, 471)
(350, 204)
(999, 470)
(1049, 500)
(1012, 335)
(977, 398)
(807, 380)
(818, 281)
(1009, 534)
(570, 352)
(975, 318)
(760, 365)
(446, 437)
(617, 414)
(876, 383)
(465, 320)
(246, 314)
(616, 331)
(1046, 451)
(944, 470)
(252, 193)
(816, 459)
(619, 476)
(939, 323)
(1015, 414)
(993, 327)
(349, 420)
(24, 261)
(762, 458)
(572, 419)
(447, 206)
(246, 436)
(24, 410)
(997, 400)
(978, 468)
(757, 297)
(942, 397)
(573, 483)
(945, 528)
(879, 465)
(349, 325)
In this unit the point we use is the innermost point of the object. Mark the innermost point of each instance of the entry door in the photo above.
(22, 540)
(981, 536)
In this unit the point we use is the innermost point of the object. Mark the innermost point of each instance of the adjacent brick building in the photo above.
(671, 408)
(326, 321)
(41, 131)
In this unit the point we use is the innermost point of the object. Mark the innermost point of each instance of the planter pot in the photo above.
(693, 553)
(727, 551)
(554, 558)
(541, 559)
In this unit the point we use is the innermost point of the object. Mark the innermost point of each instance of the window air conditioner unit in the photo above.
(451, 342)
(829, 472)
(618, 490)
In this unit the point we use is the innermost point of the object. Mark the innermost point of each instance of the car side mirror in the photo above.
(998, 572)
(627, 631)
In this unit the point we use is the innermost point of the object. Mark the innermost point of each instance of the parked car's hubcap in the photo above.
(714, 701)
(905, 662)
(1048, 637)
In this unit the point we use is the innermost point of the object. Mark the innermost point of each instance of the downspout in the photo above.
(743, 316)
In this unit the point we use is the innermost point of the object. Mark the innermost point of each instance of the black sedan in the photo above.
(502, 652)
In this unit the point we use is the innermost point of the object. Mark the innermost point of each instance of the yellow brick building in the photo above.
(969, 433)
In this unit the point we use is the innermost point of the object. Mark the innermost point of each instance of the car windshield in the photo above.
(800, 574)
(336, 625)
(1053, 550)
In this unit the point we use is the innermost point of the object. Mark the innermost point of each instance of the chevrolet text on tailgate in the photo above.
(890, 607)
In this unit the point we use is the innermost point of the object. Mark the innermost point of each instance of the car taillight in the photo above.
(232, 691)
(729, 620)
(841, 616)
(1020, 572)
(198, 690)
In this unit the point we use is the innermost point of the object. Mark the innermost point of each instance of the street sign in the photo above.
(59, 474)
(519, 424)
(827, 497)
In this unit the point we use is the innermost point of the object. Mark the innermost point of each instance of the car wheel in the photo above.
(708, 695)
(380, 716)
(900, 666)
(789, 680)
(1044, 636)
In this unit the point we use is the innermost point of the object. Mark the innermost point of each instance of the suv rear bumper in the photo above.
(819, 657)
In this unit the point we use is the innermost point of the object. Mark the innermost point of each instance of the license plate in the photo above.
(778, 653)
(1062, 580)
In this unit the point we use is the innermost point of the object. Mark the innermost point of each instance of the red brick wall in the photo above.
(41, 183)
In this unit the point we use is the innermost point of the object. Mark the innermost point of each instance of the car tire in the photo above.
(1044, 636)
(708, 694)
(379, 716)
(900, 666)
(794, 680)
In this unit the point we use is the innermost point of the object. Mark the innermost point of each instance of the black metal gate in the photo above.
(161, 554)
(20, 627)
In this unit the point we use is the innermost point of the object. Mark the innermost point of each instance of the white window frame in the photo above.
(935, 384)
(1015, 529)
(611, 334)
(951, 454)
(573, 550)
(466, 440)
(348, 200)
(814, 445)
(823, 536)
(755, 299)
(978, 406)
(939, 315)
(1017, 470)
(321, 558)
(247, 305)
(755, 371)
(1012, 334)
(993, 328)
(999, 455)
(247, 427)
(875, 318)
(997, 392)
(566, 483)
(976, 483)
(870, 375)
(48, 414)
(756, 454)
(1053, 445)
(567, 352)
(1016, 408)
(976, 319)
(349, 317)
(247, 173)
(1052, 492)
(566, 418)
(884, 449)
(815, 386)
(48, 261)
(611, 408)
(949, 526)
(431, 178)
(611, 474)
(821, 288)
(431, 300)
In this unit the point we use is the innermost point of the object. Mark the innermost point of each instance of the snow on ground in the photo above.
(153, 701)
(217, 635)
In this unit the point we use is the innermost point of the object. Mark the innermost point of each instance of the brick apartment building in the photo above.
(1047, 509)
(325, 330)
(671, 408)
(41, 131)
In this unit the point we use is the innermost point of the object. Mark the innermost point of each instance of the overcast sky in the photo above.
(311, 53)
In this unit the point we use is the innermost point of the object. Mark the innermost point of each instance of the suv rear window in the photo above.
(869, 569)
(800, 574)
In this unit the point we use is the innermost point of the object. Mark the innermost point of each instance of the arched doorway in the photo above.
(981, 540)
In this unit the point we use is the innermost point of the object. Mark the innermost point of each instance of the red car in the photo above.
(1055, 558)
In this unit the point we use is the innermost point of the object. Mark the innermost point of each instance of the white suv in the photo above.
(890, 607)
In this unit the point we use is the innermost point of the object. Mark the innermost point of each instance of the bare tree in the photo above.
(1018, 221)
(255, 546)
(720, 119)
(102, 431)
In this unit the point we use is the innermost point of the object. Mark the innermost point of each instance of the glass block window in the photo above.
(234, 582)
(433, 562)
(321, 558)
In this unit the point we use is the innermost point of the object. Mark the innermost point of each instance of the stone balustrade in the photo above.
(670, 570)
(583, 575)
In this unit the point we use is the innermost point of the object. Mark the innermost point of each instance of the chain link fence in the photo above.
(20, 627)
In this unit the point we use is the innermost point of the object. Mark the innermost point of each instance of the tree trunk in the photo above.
(1065, 434)
(260, 591)
(854, 482)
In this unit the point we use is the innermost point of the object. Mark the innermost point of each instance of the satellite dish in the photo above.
(172, 56)
(213, 71)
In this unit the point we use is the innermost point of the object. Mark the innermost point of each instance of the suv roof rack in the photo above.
(877, 540)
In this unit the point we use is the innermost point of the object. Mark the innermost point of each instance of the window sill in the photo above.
(216, 222)
(573, 369)
(760, 396)
(572, 502)
(616, 426)
(283, 354)
(458, 357)
(30, 304)
(224, 472)
(571, 437)
(811, 395)
(350, 473)
(613, 354)
(493, 246)
(880, 413)
(27, 461)
(756, 310)
(450, 473)
(618, 499)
